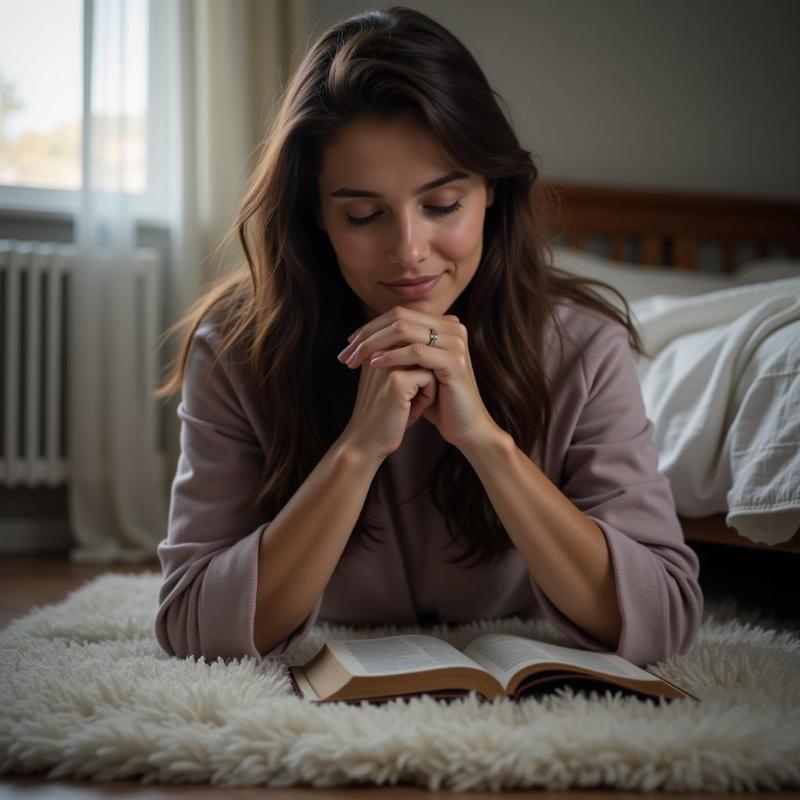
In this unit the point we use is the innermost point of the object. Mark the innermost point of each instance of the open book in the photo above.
(492, 665)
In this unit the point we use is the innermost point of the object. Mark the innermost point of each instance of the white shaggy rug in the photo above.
(86, 692)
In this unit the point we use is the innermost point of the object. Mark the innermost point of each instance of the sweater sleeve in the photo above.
(210, 557)
(611, 474)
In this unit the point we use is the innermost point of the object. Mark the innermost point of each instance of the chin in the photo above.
(428, 305)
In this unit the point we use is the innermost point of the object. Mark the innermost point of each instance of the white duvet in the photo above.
(723, 391)
(723, 388)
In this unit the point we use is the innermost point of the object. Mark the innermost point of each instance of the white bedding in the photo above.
(722, 388)
(724, 385)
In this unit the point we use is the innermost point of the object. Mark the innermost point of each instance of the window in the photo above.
(40, 93)
(41, 105)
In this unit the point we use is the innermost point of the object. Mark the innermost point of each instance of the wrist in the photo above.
(348, 451)
(491, 442)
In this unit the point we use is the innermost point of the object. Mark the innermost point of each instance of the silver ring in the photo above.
(434, 337)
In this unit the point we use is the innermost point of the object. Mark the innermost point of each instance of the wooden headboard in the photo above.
(665, 227)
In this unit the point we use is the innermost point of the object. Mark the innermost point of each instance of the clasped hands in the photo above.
(399, 338)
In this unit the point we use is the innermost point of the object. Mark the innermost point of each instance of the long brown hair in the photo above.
(382, 62)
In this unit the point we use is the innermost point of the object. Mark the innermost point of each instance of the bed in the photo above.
(706, 271)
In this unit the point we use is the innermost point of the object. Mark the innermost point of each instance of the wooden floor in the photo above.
(757, 580)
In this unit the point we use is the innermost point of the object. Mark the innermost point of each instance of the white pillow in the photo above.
(767, 269)
(635, 281)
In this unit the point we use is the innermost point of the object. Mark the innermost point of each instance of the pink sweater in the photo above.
(600, 454)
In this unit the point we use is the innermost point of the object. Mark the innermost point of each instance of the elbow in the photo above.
(180, 632)
(683, 607)
(267, 634)
(274, 637)
(168, 632)
(174, 634)
(264, 639)
(648, 637)
(200, 618)
(691, 617)
(278, 636)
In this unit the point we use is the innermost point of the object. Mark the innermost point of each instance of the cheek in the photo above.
(461, 240)
(355, 252)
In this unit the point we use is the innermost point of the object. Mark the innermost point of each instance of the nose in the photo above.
(411, 244)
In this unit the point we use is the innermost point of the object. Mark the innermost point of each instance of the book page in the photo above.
(503, 654)
(396, 655)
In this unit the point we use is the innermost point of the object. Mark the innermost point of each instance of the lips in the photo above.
(415, 282)
(416, 289)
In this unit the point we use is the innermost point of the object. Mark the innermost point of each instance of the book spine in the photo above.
(295, 688)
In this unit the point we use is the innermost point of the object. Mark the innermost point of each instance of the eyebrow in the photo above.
(451, 176)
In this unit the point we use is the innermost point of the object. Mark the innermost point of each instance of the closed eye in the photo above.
(437, 210)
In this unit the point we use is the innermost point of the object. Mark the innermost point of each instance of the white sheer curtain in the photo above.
(214, 71)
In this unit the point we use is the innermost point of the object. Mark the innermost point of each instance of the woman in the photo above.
(504, 419)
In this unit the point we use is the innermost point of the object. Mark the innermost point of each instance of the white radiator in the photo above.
(34, 333)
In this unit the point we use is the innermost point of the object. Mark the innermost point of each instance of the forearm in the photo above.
(565, 551)
(300, 548)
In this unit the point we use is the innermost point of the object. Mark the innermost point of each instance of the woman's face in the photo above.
(386, 226)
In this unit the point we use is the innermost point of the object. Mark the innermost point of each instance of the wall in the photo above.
(682, 94)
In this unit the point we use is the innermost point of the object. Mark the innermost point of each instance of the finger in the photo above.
(427, 386)
(421, 355)
(390, 340)
(425, 398)
(449, 323)
(358, 351)
(368, 342)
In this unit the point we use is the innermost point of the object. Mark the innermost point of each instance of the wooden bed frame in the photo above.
(664, 229)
